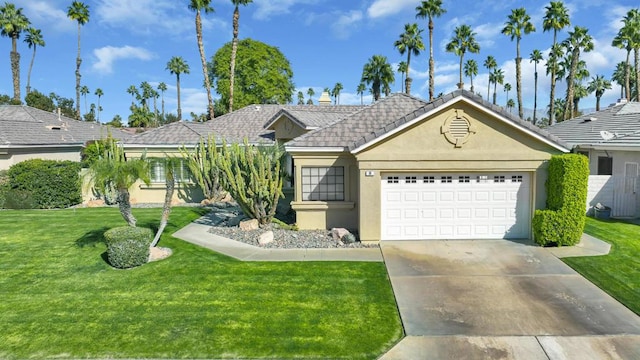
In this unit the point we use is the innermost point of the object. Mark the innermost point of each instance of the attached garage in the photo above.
(424, 206)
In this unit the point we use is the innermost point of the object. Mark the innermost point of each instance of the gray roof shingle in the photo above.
(28, 126)
(313, 117)
(390, 113)
(621, 121)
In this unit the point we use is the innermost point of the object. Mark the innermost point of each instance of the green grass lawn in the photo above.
(60, 299)
(619, 272)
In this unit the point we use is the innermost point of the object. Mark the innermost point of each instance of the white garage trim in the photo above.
(423, 206)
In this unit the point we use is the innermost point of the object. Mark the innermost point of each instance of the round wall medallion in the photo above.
(457, 129)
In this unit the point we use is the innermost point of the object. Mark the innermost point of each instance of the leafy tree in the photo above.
(13, 22)
(360, 90)
(336, 92)
(234, 47)
(78, 11)
(300, 98)
(5, 99)
(198, 6)
(518, 24)
(463, 40)
(84, 90)
(140, 117)
(410, 41)
(33, 39)
(579, 39)
(116, 122)
(471, 70)
(507, 88)
(99, 93)
(599, 85)
(535, 57)
(65, 105)
(177, 66)
(496, 77)
(430, 9)
(555, 18)
(40, 101)
(490, 64)
(377, 72)
(162, 87)
(263, 76)
(112, 167)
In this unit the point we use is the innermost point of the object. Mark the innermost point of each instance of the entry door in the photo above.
(625, 192)
(455, 206)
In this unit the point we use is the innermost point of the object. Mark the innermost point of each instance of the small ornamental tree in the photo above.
(562, 223)
(253, 175)
(202, 164)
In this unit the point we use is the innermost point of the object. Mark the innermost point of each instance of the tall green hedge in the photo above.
(44, 184)
(563, 221)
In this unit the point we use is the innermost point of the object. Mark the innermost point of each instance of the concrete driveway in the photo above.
(499, 299)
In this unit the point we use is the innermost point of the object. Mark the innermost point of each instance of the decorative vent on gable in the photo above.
(457, 129)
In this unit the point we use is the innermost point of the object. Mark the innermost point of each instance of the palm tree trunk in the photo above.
(15, 72)
(568, 107)
(124, 205)
(636, 55)
(234, 49)
(407, 81)
(495, 92)
(205, 71)
(471, 79)
(489, 88)
(431, 62)
(597, 103)
(99, 109)
(461, 83)
(552, 93)
(535, 92)
(178, 89)
(166, 208)
(163, 119)
(519, 78)
(33, 57)
(627, 80)
(78, 76)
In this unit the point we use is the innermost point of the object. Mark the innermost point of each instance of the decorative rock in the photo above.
(159, 253)
(265, 238)
(249, 225)
(348, 238)
(235, 220)
(339, 233)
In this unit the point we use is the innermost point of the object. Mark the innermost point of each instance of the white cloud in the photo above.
(342, 26)
(42, 12)
(109, 54)
(266, 8)
(382, 8)
(146, 16)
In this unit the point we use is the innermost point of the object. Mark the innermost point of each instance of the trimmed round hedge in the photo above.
(128, 246)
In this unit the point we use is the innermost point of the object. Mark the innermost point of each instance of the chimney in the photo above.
(325, 99)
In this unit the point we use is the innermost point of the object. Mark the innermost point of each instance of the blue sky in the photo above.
(326, 41)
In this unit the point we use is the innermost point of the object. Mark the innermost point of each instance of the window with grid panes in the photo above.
(323, 183)
(157, 171)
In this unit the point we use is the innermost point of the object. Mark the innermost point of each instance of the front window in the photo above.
(157, 171)
(323, 183)
(605, 165)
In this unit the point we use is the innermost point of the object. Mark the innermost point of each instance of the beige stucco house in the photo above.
(405, 169)
(610, 138)
(30, 133)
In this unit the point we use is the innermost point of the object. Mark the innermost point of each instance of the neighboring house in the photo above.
(405, 169)
(30, 133)
(259, 124)
(610, 138)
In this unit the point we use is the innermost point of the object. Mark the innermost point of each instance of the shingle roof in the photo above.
(28, 126)
(389, 114)
(313, 117)
(621, 121)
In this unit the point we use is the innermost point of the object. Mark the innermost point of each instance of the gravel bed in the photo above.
(286, 239)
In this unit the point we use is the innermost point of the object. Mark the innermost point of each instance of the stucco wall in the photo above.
(14, 156)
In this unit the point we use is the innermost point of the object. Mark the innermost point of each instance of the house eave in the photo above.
(300, 149)
(609, 147)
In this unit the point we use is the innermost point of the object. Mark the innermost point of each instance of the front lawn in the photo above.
(619, 272)
(59, 298)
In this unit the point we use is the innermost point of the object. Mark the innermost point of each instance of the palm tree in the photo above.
(518, 24)
(623, 40)
(507, 88)
(311, 93)
(336, 92)
(471, 70)
(377, 72)
(198, 6)
(300, 98)
(402, 69)
(162, 87)
(33, 39)
(360, 90)
(84, 90)
(13, 22)
(463, 40)
(490, 63)
(579, 92)
(535, 57)
(133, 91)
(410, 42)
(632, 24)
(99, 94)
(234, 46)
(598, 85)
(555, 18)
(177, 65)
(430, 9)
(510, 105)
(78, 11)
(579, 39)
(619, 76)
(496, 77)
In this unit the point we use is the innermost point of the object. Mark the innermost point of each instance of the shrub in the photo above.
(128, 246)
(44, 184)
(4, 187)
(563, 221)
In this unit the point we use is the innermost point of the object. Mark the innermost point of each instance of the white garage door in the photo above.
(455, 206)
